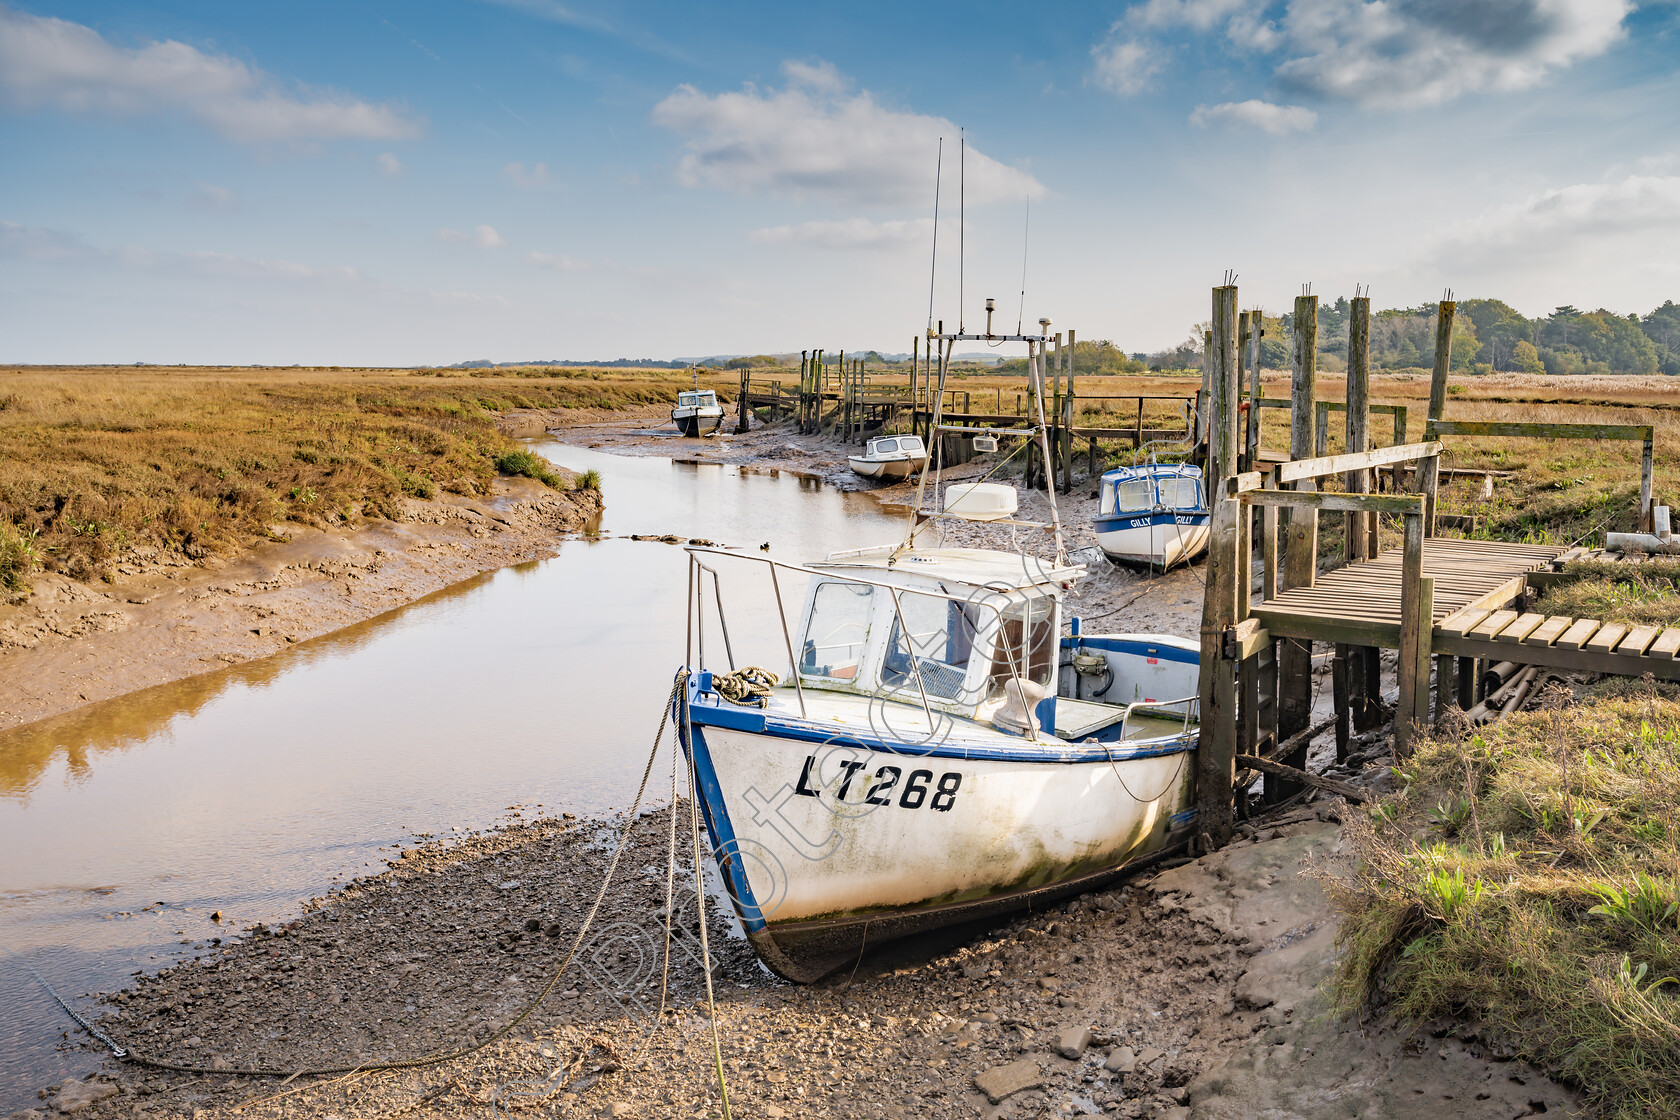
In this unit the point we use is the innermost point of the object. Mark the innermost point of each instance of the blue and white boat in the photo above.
(938, 750)
(1155, 514)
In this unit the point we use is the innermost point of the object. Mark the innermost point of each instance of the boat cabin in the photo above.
(1164, 486)
(895, 445)
(698, 398)
(967, 630)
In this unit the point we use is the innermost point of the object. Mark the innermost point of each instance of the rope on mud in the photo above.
(130, 1055)
(749, 685)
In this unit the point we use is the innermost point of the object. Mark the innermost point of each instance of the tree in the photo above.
(1500, 327)
(1662, 327)
(1604, 336)
(1526, 359)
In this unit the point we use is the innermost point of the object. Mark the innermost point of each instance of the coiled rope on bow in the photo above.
(749, 685)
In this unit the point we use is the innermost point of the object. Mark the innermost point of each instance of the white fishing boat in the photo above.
(937, 751)
(1155, 514)
(890, 457)
(697, 413)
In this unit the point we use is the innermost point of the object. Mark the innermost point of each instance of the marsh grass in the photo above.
(1526, 878)
(96, 463)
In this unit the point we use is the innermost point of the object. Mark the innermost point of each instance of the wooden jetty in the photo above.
(1448, 606)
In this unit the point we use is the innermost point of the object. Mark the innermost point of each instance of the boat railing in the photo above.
(696, 640)
(1190, 703)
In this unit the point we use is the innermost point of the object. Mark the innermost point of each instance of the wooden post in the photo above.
(1294, 657)
(1321, 430)
(1429, 472)
(1243, 415)
(915, 352)
(1137, 437)
(1255, 332)
(1358, 420)
(1646, 524)
(1055, 410)
(1217, 687)
(1202, 398)
(1417, 621)
(1269, 544)
(1446, 685)
(1066, 451)
(741, 421)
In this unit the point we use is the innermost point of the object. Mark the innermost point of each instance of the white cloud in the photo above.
(812, 140)
(561, 263)
(484, 237)
(1375, 52)
(1124, 65)
(389, 164)
(849, 233)
(1635, 217)
(1279, 120)
(53, 63)
(37, 244)
(213, 199)
(534, 179)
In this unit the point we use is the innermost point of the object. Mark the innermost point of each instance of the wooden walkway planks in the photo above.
(1360, 604)
(1562, 643)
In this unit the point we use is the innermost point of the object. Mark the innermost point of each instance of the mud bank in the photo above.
(1190, 994)
(168, 616)
(1110, 598)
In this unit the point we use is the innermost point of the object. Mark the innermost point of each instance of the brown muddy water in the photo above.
(126, 824)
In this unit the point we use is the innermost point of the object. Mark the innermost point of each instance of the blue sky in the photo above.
(384, 183)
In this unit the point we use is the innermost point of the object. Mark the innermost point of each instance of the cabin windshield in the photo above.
(882, 446)
(910, 443)
(1180, 493)
(837, 630)
(696, 400)
(1025, 644)
(1130, 494)
(932, 640)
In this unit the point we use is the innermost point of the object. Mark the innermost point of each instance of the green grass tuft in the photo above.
(521, 462)
(17, 557)
(588, 480)
(1529, 879)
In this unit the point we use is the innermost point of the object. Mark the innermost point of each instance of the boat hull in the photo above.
(697, 423)
(829, 844)
(886, 468)
(1158, 540)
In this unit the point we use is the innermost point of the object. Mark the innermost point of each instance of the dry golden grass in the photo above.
(96, 462)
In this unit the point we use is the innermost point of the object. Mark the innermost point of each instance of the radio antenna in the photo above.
(962, 225)
(1026, 231)
(933, 269)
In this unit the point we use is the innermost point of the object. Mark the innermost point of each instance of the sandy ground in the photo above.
(1190, 994)
(167, 616)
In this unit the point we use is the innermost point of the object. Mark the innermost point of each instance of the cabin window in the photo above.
(836, 631)
(1026, 642)
(886, 445)
(910, 443)
(933, 642)
(1136, 493)
(1180, 493)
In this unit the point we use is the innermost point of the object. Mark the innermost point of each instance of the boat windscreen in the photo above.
(932, 645)
(882, 446)
(1180, 493)
(1134, 494)
(836, 630)
(910, 443)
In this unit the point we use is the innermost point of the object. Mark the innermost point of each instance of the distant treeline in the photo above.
(1488, 335)
(616, 363)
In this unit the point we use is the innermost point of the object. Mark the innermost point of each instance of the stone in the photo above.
(1150, 1054)
(1121, 1059)
(1072, 1041)
(77, 1095)
(621, 1109)
(775, 1112)
(1049, 983)
(1002, 1081)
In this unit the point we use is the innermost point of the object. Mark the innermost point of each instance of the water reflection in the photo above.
(124, 824)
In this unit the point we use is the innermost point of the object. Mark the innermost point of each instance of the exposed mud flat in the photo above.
(1190, 994)
(1111, 598)
(170, 616)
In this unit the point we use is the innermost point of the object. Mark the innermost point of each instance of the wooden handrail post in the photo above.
(1066, 450)
(1300, 561)
(1646, 524)
(1358, 420)
(1217, 687)
(1417, 621)
(1429, 477)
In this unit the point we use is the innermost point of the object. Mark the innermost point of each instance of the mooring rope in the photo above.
(131, 1055)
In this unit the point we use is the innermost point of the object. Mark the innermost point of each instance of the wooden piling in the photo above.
(741, 403)
(1217, 687)
(1358, 421)
(1428, 476)
(1066, 451)
(1300, 563)
(1255, 333)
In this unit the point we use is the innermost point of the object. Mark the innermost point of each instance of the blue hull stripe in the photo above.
(1140, 649)
(1113, 523)
(720, 828)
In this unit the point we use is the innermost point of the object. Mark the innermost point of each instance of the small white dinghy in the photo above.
(698, 413)
(938, 750)
(890, 457)
(1154, 514)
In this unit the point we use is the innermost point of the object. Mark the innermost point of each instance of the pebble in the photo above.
(1002, 1081)
(1121, 1059)
(1072, 1041)
(77, 1095)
